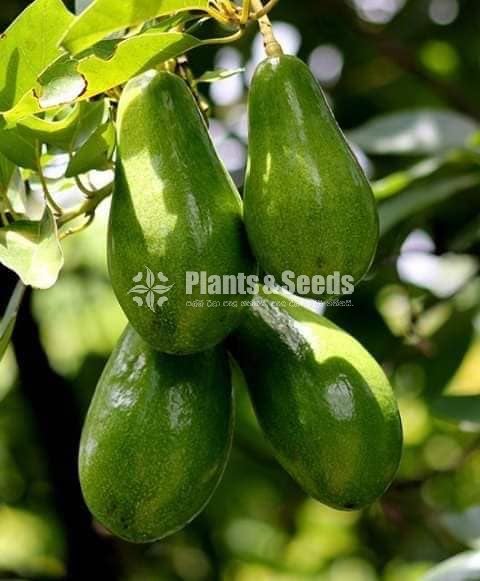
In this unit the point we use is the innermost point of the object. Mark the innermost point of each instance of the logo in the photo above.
(147, 293)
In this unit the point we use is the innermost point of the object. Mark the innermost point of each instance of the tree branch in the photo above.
(58, 425)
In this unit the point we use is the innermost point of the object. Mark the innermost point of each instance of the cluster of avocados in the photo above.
(159, 429)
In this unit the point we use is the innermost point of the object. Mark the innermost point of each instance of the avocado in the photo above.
(174, 210)
(323, 402)
(156, 438)
(309, 208)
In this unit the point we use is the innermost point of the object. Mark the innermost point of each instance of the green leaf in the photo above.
(18, 148)
(462, 567)
(70, 132)
(92, 114)
(7, 323)
(104, 17)
(16, 193)
(108, 65)
(218, 75)
(168, 23)
(458, 408)
(133, 56)
(12, 192)
(60, 84)
(129, 58)
(32, 250)
(6, 172)
(423, 132)
(421, 197)
(58, 133)
(95, 153)
(28, 105)
(398, 181)
(28, 47)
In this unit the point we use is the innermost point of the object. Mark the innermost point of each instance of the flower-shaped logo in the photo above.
(146, 293)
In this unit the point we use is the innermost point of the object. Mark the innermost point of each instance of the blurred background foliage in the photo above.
(403, 77)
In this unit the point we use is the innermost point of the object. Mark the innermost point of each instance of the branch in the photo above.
(272, 46)
(401, 56)
(87, 207)
(57, 424)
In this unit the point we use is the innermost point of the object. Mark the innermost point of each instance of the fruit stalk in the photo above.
(272, 46)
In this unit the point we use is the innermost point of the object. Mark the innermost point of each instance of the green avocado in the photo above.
(174, 210)
(309, 208)
(156, 438)
(322, 401)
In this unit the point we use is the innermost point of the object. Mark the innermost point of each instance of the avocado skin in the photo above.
(174, 209)
(156, 439)
(308, 206)
(322, 401)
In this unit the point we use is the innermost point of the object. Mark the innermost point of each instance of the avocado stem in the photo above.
(272, 46)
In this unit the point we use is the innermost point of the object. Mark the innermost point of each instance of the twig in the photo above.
(400, 56)
(272, 46)
(269, 6)
(403, 58)
(87, 207)
(12, 307)
(226, 39)
(82, 187)
(58, 435)
(57, 210)
(245, 13)
(77, 229)
(217, 14)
